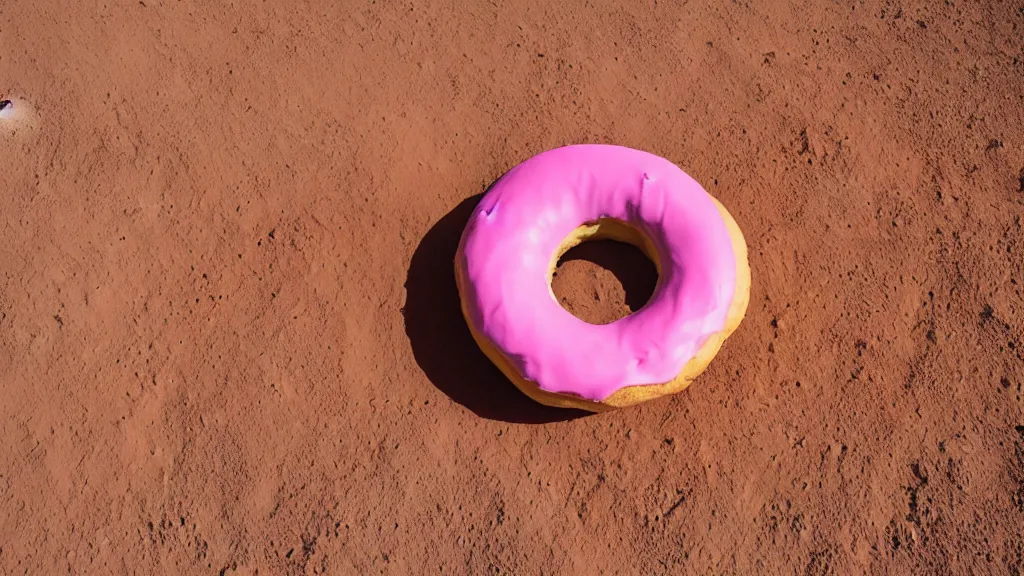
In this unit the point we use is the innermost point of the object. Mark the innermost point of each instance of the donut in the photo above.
(555, 200)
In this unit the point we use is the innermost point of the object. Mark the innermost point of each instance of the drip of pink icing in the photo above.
(509, 241)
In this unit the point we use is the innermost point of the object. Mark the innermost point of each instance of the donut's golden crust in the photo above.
(629, 395)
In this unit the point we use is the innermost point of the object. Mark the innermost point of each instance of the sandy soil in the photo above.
(230, 339)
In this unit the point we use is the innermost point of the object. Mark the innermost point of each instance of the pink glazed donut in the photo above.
(555, 200)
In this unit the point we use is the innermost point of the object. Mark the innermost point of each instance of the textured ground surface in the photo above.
(230, 340)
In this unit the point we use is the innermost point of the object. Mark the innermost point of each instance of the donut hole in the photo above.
(604, 272)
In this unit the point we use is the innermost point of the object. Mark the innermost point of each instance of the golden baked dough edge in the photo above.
(629, 395)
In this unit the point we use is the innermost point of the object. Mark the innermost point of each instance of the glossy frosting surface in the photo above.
(509, 242)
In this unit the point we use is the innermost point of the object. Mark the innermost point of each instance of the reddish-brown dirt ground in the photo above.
(230, 340)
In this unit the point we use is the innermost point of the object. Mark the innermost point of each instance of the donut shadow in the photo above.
(441, 342)
(630, 266)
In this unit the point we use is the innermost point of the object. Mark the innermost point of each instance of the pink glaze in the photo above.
(519, 224)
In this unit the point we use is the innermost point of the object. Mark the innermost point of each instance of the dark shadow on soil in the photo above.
(441, 342)
(634, 271)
